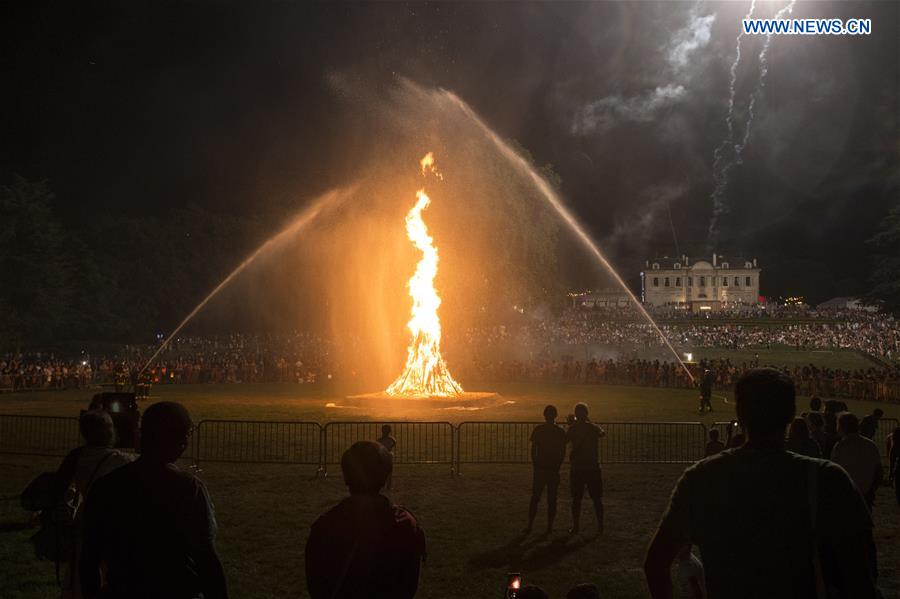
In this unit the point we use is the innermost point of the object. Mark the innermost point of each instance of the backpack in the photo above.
(60, 516)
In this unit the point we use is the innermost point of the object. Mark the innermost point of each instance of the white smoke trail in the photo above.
(729, 118)
(763, 69)
(720, 170)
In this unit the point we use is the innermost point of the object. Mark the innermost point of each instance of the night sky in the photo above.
(139, 107)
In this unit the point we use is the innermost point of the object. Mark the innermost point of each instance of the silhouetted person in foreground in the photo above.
(584, 436)
(786, 525)
(548, 450)
(364, 546)
(150, 524)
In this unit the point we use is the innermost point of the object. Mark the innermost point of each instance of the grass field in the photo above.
(472, 522)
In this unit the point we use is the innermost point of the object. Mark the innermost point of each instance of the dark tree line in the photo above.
(885, 277)
(116, 279)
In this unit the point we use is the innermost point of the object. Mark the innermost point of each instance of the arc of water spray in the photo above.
(554, 200)
(305, 217)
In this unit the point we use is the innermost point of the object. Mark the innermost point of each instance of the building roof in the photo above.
(836, 302)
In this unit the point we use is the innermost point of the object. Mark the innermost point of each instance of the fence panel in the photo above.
(494, 442)
(652, 442)
(624, 442)
(38, 435)
(258, 442)
(417, 442)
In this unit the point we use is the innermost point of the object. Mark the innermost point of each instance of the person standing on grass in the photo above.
(149, 524)
(859, 456)
(802, 525)
(548, 450)
(364, 546)
(706, 387)
(388, 441)
(584, 436)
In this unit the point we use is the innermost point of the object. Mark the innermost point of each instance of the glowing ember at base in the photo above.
(426, 373)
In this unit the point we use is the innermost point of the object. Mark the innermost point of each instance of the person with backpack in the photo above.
(150, 527)
(63, 524)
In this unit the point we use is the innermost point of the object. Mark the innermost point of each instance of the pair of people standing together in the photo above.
(548, 450)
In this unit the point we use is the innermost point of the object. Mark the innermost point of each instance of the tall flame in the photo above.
(426, 373)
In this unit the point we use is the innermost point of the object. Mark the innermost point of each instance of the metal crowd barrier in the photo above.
(494, 443)
(417, 442)
(652, 442)
(471, 442)
(38, 435)
(623, 443)
(258, 442)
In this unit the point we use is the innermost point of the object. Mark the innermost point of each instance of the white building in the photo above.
(725, 282)
(600, 299)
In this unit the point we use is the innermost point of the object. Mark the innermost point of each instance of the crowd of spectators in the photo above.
(237, 358)
(875, 384)
(303, 357)
(873, 333)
